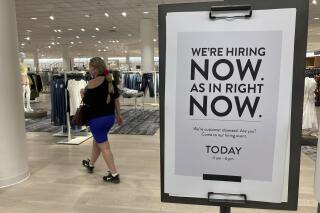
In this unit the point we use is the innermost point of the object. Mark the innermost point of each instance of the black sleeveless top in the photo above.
(96, 100)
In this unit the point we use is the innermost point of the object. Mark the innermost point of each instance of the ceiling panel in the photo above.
(70, 14)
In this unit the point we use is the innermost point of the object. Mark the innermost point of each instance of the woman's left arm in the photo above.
(117, 111)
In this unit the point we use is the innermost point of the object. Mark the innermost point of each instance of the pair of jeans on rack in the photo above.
(147, 81)
(58, 101)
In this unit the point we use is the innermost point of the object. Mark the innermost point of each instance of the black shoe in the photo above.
(86, 163)
(112, 179)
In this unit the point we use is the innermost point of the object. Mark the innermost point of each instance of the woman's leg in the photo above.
(107, 156)
(95, 153)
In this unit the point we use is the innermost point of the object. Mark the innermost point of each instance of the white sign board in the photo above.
(228, 104)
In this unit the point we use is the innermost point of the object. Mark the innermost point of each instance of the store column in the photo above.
(13, 157)
(66, 57)
(36, 61)
(147, 46)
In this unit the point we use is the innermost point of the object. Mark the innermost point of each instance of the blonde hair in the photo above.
(101, 67)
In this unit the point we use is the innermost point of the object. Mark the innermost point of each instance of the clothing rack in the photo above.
(312, 72)
(71, 139)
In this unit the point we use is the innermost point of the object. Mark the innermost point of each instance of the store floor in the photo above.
(59, 184)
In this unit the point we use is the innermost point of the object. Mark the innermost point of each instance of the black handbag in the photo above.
(81, 116)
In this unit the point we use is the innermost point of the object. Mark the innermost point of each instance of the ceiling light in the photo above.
(77, 37)
(70, 46)
(51, 17)
(83, 30)
(87, 15)
(93, 36)
(129, 34)
(114, 27)
(96, 45)
(124, 14)
(29, 31)
(55, 30)
(117, 41)
(99, 50)
(49, 47)
(22, 44)
(69, 29)
(104, 50)
(107, 47)
(317, 18)
(59, 37)
(314, 2)
(52, 43)
(58, 43)
(34, 18)
(97, 29)
(99, 42)
(106, 14)
(113, 41)
(27, 38)
(146, 12)
(80, 42)
(154, 40)
(59, 31)
(71, 42)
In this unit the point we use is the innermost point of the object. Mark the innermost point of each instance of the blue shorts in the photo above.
(100, 127)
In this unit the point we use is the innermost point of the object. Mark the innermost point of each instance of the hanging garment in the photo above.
(58, 101)
(74, 88)
(310, 120)
(147, 81)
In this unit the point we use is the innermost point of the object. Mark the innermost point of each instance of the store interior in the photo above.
(56, 40)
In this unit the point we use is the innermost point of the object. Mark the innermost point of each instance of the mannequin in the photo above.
(25, 84)
(310, 120)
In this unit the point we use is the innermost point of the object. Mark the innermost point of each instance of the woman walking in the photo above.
(102, 99)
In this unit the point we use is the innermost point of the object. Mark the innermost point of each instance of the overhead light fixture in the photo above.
(71, 42)
(146, 12)
(55, 30)
(97, 29)
(114, 27)
(117, 41)
(22, 44)
(129, 34)
(34, 18)
(99, 50)
(317, 18)
(107, 47)
(96, 45)
(154, 40)
(70, 46)
(27, 38)
(124, 14)
(113, 41)
(58, 37)
(77, 37)
(51, 17)
(80, 42)
(87, 15)
(83, 30)
(60, 31)
(99, 42)
(69, 29)
(106, 14)
(104, 50)
(49, 47)
(314, 2)
(58, 43)
(53, 43)
(29, 31)
(93, 36)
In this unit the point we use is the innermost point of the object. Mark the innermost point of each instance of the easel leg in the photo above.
(224, 209)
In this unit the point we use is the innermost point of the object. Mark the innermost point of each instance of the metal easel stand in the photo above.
(225, 200)
(71, 140)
